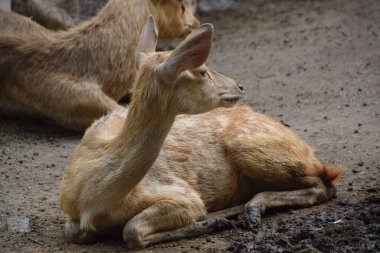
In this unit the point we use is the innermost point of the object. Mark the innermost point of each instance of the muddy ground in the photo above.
(314, 65)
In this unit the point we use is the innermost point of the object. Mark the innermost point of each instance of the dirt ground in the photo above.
(314, 65)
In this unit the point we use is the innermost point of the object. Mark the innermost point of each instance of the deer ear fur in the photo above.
(190, 54)
(148, 41)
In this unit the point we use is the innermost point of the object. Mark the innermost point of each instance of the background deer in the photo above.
(76, 76)
(207, 162)
(57, 14)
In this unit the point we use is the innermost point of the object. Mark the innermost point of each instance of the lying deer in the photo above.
(206, 163)
(58, 14)
(76, 76)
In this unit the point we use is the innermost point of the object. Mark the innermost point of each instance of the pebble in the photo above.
(18, 224)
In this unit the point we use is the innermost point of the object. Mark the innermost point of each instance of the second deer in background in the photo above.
(76, 76)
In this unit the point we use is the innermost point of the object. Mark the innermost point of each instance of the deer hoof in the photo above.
(252, 217)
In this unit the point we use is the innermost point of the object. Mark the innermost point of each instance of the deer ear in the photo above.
(190, 54)
(147, 43)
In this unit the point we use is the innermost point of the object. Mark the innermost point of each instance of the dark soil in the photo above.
(314, 65)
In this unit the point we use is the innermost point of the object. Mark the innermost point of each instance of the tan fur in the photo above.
(207, 162)
(74, 77)
(102, 186)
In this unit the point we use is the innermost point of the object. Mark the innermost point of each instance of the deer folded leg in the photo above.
(267, 200)
(170, 219)
(195, 229)
(75, 234)
(227, 213)
(49, 15)
(72, 102)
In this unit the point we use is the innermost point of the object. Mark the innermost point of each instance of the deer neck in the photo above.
(139, 143)
(107, 42)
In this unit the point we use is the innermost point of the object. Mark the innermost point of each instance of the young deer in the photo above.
(208, 162)
(76, 76)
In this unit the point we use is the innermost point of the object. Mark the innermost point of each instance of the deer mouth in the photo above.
(229, 101)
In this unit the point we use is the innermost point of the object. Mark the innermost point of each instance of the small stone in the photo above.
(356, 131)
(18, 224)
(360, 164)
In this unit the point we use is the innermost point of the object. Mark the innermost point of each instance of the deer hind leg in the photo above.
(49, 15)
(75, 104)
(272, 199)
(170, 219)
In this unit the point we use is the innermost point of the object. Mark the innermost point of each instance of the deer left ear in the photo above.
(189, 54)
(147, 43)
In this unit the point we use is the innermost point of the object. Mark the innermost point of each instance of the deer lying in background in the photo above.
(208, 162)
(76, 76)
(58, 14)
(53, 14)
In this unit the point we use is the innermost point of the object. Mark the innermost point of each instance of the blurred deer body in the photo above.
(53, 14)
(76, 76)
(125, 172)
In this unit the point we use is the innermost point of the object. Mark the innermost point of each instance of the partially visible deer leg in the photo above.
(75, 234)
(170, 219)
(268, 200)
(228, 212)
(207, 226)
(46, 14)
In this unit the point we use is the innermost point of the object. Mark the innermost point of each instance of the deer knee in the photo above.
(133, 235)
(75, 234)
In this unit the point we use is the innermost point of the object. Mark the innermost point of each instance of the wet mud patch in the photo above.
(343, 227)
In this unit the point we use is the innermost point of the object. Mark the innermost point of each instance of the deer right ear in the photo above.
(147, 43)
(190, 54)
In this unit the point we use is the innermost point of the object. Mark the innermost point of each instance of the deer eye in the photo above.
(203, 73)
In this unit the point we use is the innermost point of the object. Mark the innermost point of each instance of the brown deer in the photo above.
(207, 162)
(58, 14)
(76, 76)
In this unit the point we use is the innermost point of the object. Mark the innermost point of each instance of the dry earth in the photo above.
(314, 65)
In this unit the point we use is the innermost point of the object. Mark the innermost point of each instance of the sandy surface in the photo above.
(314, 65)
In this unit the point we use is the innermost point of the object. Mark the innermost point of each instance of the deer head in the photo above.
(174, 18)
(181, 77)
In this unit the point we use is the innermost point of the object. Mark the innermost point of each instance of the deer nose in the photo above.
(240, 86)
